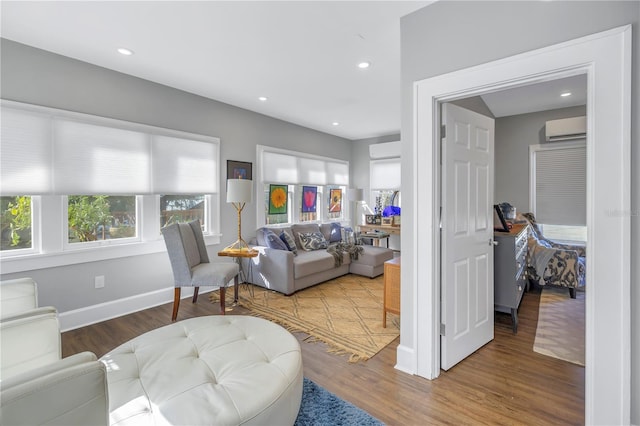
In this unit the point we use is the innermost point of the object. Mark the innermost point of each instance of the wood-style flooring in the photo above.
(504, 382)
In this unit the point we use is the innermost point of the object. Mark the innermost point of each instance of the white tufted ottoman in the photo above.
(215, 370)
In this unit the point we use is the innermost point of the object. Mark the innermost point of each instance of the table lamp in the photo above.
(239, 192)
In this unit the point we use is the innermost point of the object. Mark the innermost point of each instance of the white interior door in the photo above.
(467, 233)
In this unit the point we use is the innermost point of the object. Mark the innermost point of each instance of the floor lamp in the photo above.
(356, 195)
(239, 192)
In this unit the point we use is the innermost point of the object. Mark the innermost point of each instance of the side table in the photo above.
(238, 255)
(391, 289)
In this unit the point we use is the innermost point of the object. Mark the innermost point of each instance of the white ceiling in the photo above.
(302, 55)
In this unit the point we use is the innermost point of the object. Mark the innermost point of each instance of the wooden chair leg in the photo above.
(222, 294)
(176, 303)
(195, 294)
(572, 292)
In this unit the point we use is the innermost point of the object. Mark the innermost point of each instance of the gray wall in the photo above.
(451, 35)
(514, 134)
(38, 77)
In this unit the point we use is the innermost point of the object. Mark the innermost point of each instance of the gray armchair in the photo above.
(38, 385)
(191, 266)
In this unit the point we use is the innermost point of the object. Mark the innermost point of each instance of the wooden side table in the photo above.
(238, 255)
(391, 289)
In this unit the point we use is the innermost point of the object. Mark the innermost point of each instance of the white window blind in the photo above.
(301, 169)
(26, 154)
(279, 168)
(337, 173)
(312, 171)
(182, 166)
(91, 159)
(559, 182)
(385, 174)
(48, 151)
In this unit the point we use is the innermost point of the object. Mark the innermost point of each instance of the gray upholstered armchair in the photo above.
(553, 263)
(38, 386)
(191, 266)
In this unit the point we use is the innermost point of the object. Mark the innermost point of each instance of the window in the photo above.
(181, 208)
(301, 187)
(100, 218)
(16, 223)
(558, 192)
(94, 185)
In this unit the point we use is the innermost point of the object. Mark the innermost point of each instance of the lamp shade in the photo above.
(355, 194)
(239, 191)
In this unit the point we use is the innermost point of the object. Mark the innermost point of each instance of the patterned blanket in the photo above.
(337, 251)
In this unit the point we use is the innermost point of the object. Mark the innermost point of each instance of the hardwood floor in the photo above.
(504, 382)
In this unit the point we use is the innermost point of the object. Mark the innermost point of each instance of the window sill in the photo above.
(35, 261)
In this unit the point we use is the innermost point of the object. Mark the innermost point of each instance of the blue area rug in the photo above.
(321, 407)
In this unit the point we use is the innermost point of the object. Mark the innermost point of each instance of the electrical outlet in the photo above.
(99, 281)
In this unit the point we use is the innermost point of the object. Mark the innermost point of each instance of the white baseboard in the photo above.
(405, 359)
(88, 315)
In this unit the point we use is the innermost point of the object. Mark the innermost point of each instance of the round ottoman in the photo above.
(215, 370)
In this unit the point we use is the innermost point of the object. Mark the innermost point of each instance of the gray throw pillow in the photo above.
(273, 241)
(312, 241)
(289, 242)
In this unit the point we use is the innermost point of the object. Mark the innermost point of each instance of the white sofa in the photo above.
(286, 272)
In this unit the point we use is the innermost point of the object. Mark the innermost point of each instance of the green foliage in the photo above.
(16, 216)
(86, 213)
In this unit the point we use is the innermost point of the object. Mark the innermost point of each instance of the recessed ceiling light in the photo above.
(364, 65)
(125, 51)
(335, 123)
(263, 98)
(565, 94)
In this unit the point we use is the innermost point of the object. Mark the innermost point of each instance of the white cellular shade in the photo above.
(561, 186)
(279, 168)
(337, 173)
(92, 159)
(25, 153)
(183, 166)
(312, 171)
(385, 174)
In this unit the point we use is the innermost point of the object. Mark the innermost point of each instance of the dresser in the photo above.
(510, 271)
(391, 289)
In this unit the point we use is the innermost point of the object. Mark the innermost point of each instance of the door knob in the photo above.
(492, 242)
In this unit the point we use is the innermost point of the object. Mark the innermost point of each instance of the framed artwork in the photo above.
(335, 201)
(309, 199)
(239, 170)
(278, 196)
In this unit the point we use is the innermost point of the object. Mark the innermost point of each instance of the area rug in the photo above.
(321, 407)
(345, 313)
(561, 325)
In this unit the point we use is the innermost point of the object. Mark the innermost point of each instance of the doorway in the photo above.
(608, 112)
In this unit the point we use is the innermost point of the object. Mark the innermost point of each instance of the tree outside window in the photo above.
(101, 217)
(15, 222)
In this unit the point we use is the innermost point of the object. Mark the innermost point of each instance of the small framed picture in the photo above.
(387, 221)
(239, 170)
(396, 220)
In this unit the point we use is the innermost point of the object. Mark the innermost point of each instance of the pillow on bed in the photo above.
(312, 241)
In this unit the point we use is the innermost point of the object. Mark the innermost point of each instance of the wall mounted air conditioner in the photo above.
(566, 129)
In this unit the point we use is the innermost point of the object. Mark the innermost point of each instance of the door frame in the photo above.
(607, 394)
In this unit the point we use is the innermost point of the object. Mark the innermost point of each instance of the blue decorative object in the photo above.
(391, 211)
(273, 241)
(321, 407)
(289, 242)
(336, 233)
